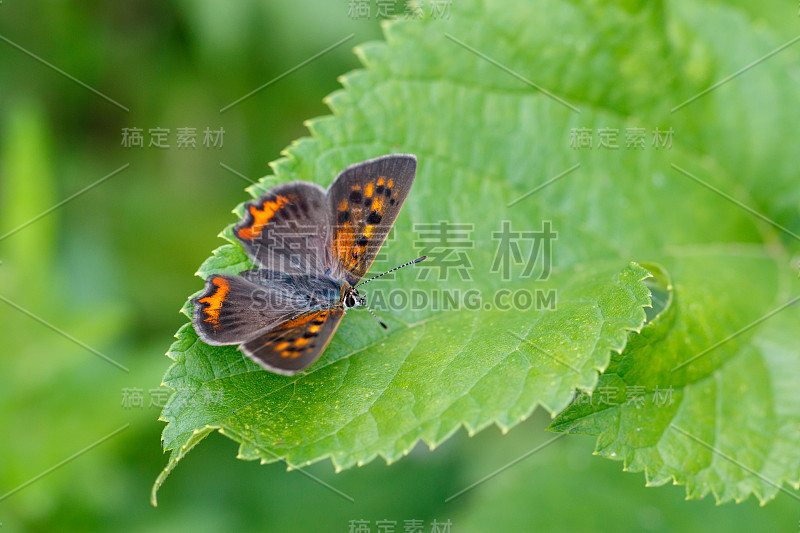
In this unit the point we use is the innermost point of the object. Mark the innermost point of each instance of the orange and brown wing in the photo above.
(232, 309)
(287, 229)
(295, 344)
(365, 200)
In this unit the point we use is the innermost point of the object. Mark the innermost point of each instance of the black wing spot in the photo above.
(355, 196)
(344, 216)
(367, 202)
(363, 241)
(379, 189)
(374, 218)
(387, 192)
(392, 201)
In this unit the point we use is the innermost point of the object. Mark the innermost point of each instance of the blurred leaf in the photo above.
(531, 495)
(711, 43)
(50, 385)
(27, 189)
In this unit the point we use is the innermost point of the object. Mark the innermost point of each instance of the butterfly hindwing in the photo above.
(364, 201)
(287, 229)
(296, 343)
(231, 309)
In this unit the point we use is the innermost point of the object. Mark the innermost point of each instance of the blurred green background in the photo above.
(112, 266)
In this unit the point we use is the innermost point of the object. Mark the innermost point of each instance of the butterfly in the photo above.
(311, 248)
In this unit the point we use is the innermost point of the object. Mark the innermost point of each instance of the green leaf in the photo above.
(692, 401)
(494, 149)
(378, 394)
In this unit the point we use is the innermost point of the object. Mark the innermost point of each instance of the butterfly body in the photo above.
(311, 247)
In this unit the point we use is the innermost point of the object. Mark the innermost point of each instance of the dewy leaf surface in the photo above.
(486, 138)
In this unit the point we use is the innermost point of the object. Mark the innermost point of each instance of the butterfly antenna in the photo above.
(384, 326)
(417, 260)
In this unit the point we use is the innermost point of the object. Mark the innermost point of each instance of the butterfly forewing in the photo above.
(287, 229)
(364, 201)
(295, 344)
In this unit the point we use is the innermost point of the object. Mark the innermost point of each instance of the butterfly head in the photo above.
(353, 299)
